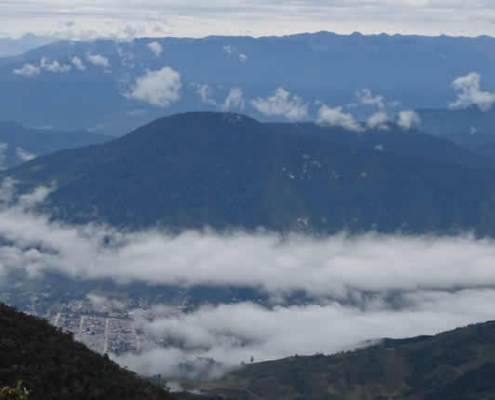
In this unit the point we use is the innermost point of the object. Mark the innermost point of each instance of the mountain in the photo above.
(93, 79)
(471, 121)
(19, 144)
(227, 171)
(15, 46)
(455, 365)
(51, 365)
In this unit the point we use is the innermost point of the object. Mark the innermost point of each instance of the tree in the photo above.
(18, 392)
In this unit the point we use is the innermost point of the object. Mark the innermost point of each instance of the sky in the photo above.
(85, 19)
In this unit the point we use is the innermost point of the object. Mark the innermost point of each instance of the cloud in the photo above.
(232, 51)
(235, 99)
(338, 266)
(229, 49)
(204, 92)
(44, 65)
(156, 48)
(470, 93)
(102, 304)
(98, 60)
(24, 155)
(159, 88)
(77, 62)
(243, 58)
(54, 67)
(28, 70)
(233, 333)
(136, 18)
(378, 120)
(366, 97)
(357, 287)
(407, 119)
(337, 117)
(282, 104)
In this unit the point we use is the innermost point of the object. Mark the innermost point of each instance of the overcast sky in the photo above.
(197, 18)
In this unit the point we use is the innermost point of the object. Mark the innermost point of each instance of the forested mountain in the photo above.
(19, 144)
(51, 365)
(457, 365)
(229, 171)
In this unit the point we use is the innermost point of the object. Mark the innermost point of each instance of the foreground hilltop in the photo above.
(457, 365)
(228, 171)
(52, 366)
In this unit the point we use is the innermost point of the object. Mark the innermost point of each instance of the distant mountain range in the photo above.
(226, 170)
(19, 144)
(457, 365)
(15, 46)
(86, 85)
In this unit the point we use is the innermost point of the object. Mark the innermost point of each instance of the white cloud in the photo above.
(54, 67)
(78, 63)
(24, 155)
(98, 60)
(367, 287)
(407, 119)
(159, 88)
(145, 18)
(470, 93)
(337, 267)
(243, 58)
(378, 120)
(156, 48)
(28, 70)
(232, 334)
(337, 117)
(366, 97)
(235, 99)
(204, 92)
(282, 104)
(229, 49)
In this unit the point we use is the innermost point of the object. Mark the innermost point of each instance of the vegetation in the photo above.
(454, 365)
(51, 365)
(14, 393)
(227, 171)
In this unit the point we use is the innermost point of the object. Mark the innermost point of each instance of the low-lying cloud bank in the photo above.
(331, 267)
(359, 287)
(232, 334)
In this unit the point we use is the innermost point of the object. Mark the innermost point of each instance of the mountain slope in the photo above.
(19, 144)
(52, 366)
(229, 171)
(453, 365)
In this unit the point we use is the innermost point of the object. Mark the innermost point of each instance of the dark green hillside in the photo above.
(455, 365)
(52, 366)
(229, 171)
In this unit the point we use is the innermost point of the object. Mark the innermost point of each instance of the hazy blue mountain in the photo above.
(471, 121)
(227, 170)
(13, 47)
(19, 144)
(414, 70)
(453, 365)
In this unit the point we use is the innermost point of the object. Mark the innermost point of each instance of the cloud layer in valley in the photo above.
(233, 333)
(357, 287)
